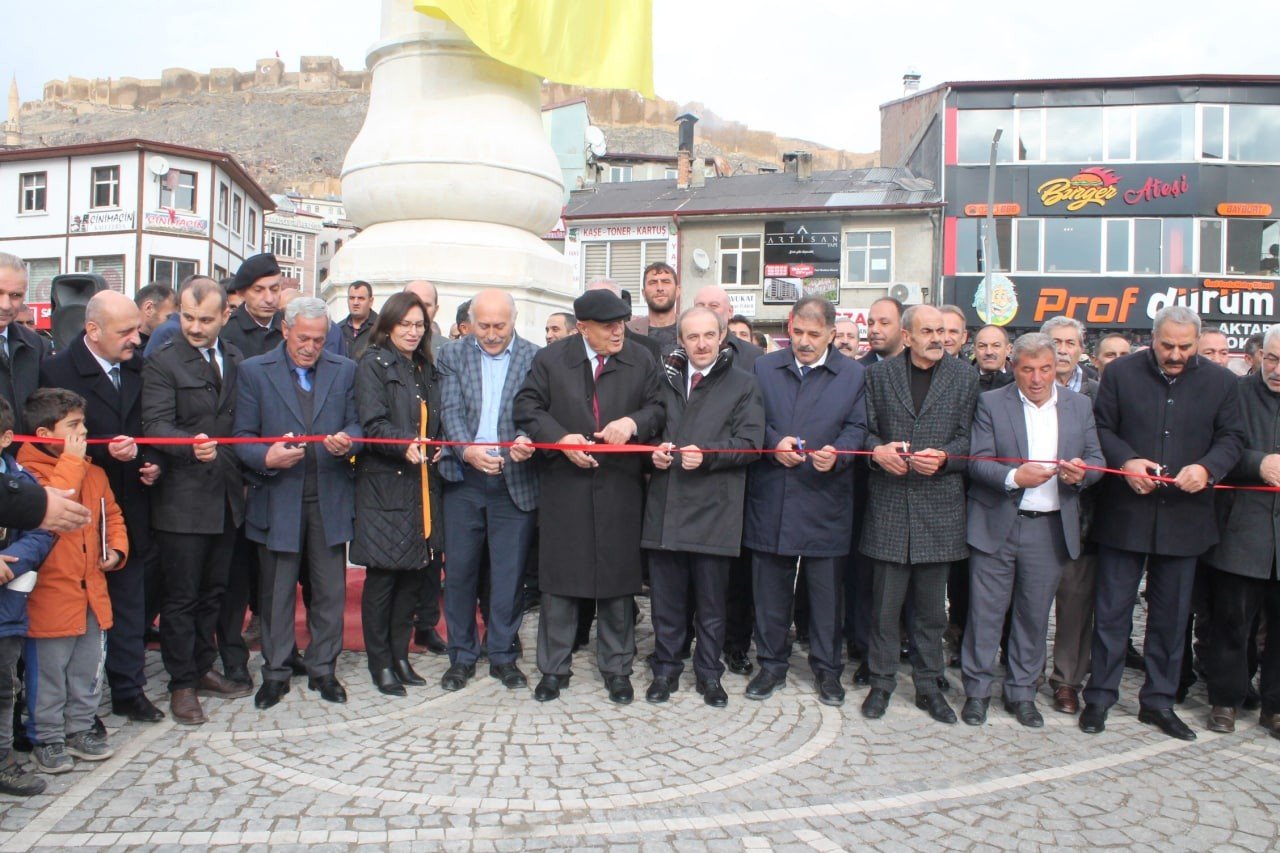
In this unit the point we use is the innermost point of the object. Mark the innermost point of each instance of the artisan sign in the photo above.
(801, 258)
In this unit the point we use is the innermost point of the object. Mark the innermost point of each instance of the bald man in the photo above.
(104, 366)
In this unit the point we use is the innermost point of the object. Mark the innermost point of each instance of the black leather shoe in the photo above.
(238, 674)
(430, 639)
(829, 691)
(457, 676)
(660, 689)
(270, 694)
(1025, 713)
(943, 684)
(712, 693)
(739, 663)
(620, 690)
(876, 703)
(296, 664)
(937, 707)
(386, 682)
(509, 674)
(1166, 721)
(137, 708)
(862, 675)
(1093, 719)
(330, 689)
(974, 712)
(405, 674)
(762, 686)
(549, 687)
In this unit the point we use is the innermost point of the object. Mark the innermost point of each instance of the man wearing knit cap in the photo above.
(254, 327)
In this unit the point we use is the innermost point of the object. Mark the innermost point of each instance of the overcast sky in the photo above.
(813, 69)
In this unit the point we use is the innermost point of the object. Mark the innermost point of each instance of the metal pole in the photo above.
(990, 248)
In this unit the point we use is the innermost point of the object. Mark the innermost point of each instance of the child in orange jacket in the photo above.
(69, 609)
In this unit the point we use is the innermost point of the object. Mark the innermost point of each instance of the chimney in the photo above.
(684, 149)
(799, 162)
(910, 81)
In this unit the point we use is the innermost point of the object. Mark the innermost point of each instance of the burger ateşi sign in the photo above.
(1100, 190)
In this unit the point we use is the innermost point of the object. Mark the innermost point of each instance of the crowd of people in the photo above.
(811, 493)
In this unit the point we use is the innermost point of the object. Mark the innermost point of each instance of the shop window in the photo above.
(968, 256)
(1073, 135)
(974, 129)
(1028, 240)
(1211, 246)
(969, 249)
(1213, 123)
(1146, 246)
(1072, 245)
(105, 187)
(1253, 246)
(1165, 132)
(868, 257)
(1119, 133)
(1255, 133)
(178, 191)
(1177, 243)
(40, 273)
(33, 189)
(110, 267)
(740, 260)
(1117, 231)
(172, 271)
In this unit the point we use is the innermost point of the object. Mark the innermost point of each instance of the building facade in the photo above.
(131, 210)
(1113, 197)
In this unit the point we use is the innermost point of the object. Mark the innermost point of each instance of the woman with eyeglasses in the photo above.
(398, 521)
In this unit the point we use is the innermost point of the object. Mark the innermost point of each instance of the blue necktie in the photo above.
(304, 377)
(804, 371)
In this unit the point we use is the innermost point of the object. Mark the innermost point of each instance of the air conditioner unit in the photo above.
(907, 294)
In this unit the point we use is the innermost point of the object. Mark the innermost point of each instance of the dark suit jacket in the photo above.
(267, 404)
(1000, 432)
(461, 398)
(647, 343)
(745, 353)
(914, 518)
(26, 356)
(1196, 420)
(110, 413)
(180, 399)
(244, 333)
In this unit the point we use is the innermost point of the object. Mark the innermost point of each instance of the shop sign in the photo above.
(629, 231)
(801, 258)
(1099, 185)
(1011, 208)
(743, 303)
(43, 313)
(171, 220)
(110, 220)
(1236, 208)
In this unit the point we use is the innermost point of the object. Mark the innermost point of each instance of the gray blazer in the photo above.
(461, 398)
(1000, 432)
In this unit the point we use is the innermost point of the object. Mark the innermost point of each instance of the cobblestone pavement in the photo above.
(491, 769)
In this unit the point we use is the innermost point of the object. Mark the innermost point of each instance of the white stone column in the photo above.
(451, 177)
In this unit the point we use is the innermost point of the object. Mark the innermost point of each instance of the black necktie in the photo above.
(114, 375)
(213, 365)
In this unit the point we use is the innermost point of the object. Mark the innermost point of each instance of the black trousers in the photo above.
(427, 605)
(773, 583)
(671, 574)
(740, 619)
(386, 613)
(1237, 601)
(196, 566)
(126, 645)
(241, 586)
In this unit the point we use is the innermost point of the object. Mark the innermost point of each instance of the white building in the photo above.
(304, 233)
(132, 210)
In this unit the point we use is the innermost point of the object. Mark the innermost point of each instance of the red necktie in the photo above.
(693, 382)
(595, 395)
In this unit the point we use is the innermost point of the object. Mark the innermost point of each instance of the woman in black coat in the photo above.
(398, 396)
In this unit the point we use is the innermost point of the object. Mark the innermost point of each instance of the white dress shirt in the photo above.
(1042, 444)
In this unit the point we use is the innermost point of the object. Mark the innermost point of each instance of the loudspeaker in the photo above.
(70, 293)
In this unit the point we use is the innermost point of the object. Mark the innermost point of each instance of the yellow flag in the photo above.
(602, 44)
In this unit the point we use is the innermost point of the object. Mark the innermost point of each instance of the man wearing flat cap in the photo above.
(595, 387)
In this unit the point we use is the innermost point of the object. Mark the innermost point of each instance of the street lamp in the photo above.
(990, 251)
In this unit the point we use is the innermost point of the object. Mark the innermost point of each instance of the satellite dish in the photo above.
(595, 140)
(158, 166)
(701, 260)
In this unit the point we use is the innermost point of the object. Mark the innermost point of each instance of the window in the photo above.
(1165, 132)
(1028, 231)
(1253, 246)
(1073, 135)
(1255, 132)
(252, 236)
(740, 260)
(1211, 246)
(1146, 246)
(291, 272)
(974, 129)
(619, 173)
(1119, 122)
(1117, 231)
(1213, 123)
(868, 257)
(219, 273)
(621, 260)
(324, 248)
(178, 191)
(237, 213)
(671, 174)
(969, 248)
(1030, 135)
(172, 271)
(105, 191)
(287, 245)
(224, 204)
(110, 267)
(1072, 245)
(33, 190)
(40, 273)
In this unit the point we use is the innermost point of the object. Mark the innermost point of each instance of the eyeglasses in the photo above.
(411, 326)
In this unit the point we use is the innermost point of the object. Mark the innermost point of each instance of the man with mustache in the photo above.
(991, 354)
(919, 409)
(1165, 411)
(847, 337)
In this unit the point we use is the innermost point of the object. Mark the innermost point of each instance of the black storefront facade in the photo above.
(1114, 198)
